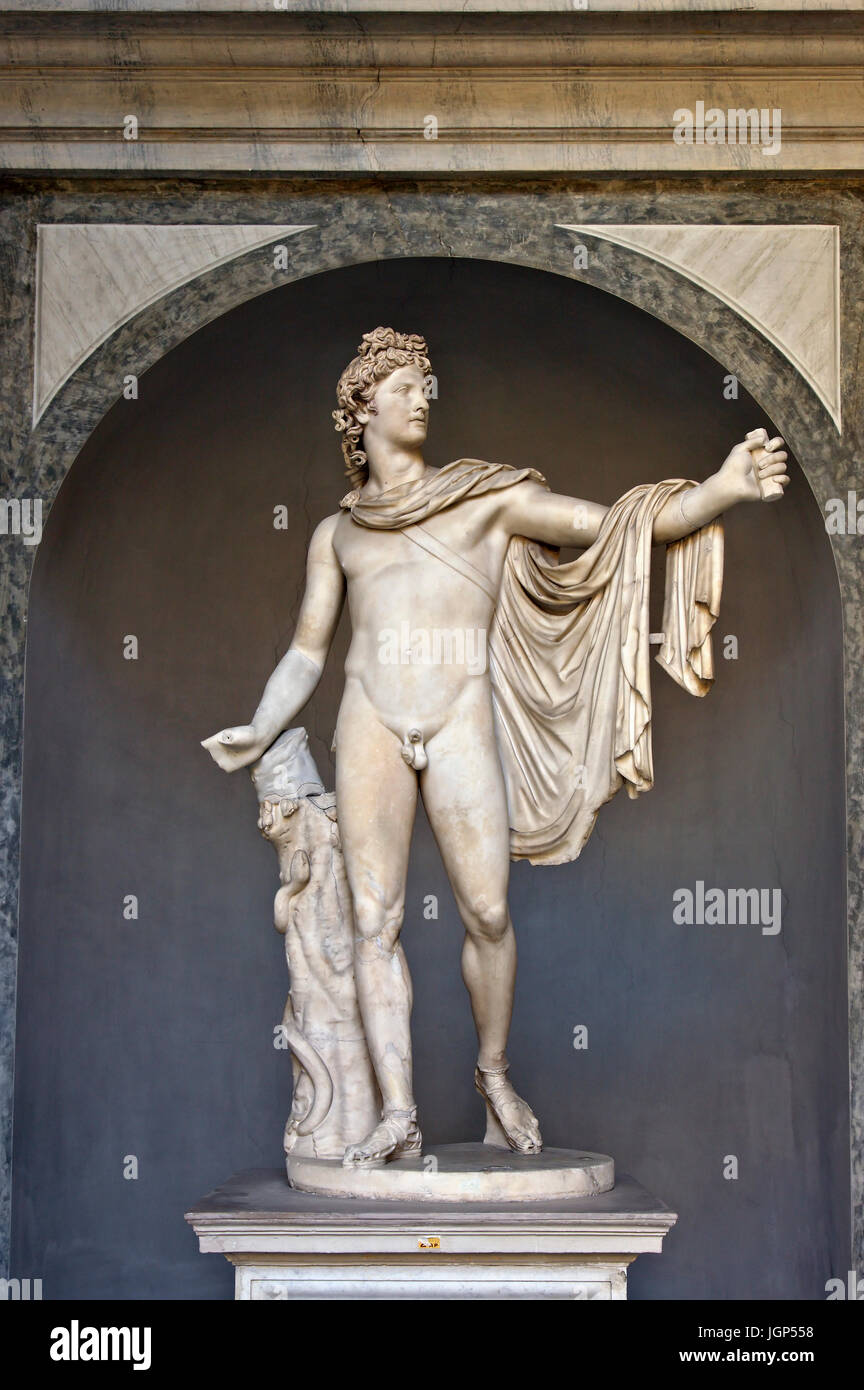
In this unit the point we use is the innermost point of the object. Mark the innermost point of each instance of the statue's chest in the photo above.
(363, 553)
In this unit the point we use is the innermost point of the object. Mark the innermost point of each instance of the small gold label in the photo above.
(432, 1243)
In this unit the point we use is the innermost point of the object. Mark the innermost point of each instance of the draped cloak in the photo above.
(569, 648)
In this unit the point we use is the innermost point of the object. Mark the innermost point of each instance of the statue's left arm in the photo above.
(754, 462)
(558, 520)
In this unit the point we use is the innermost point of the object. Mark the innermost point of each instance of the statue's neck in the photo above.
(394, 471)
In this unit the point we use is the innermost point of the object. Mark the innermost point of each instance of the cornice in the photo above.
(303, 93)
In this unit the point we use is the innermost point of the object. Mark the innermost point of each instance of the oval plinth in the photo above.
(461, 1173)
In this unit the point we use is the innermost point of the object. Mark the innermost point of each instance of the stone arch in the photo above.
(621, 271)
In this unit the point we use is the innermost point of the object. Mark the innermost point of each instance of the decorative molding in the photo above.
(313, 92)
(783, 279)
(91, 277)
(461, 7)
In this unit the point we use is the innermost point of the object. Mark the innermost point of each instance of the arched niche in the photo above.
(163, 529)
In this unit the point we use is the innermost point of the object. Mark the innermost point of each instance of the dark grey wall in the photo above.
(153, 1038)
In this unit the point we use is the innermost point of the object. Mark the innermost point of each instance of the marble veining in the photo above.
(783, 280)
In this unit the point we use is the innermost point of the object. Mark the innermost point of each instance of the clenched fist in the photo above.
(755, 470)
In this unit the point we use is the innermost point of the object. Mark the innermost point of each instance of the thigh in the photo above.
(465, 800)
(376, 801)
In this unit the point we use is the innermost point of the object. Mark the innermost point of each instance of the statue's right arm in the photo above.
(298, 673)
(296, 677)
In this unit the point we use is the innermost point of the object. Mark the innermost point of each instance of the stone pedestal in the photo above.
(461, 1173)
(286, 1244)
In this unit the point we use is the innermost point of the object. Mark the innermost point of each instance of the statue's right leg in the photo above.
(376, 799)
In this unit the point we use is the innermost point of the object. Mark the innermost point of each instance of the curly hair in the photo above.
(380, 353)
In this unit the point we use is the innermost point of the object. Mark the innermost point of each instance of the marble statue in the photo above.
(336, 1100)
(510, 691)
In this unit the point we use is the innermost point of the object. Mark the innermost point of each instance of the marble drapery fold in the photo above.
(569, 649)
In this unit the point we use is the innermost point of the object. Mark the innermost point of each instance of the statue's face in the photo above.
(401, 410)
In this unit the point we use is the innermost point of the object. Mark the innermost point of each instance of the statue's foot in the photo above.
(510, 1120)
(397, 1136)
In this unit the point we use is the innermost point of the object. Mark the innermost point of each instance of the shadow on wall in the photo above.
(145, 1041)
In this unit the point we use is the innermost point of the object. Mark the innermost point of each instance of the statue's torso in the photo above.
(419, 626)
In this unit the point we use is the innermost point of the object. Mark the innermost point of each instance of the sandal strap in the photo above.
(398, 1120)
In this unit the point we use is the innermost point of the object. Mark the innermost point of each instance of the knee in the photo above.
(488, 920)
(378, 922)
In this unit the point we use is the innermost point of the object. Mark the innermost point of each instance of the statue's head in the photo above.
(385, 383)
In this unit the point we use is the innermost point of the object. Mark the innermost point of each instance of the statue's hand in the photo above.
(235, 748)
(755, 470)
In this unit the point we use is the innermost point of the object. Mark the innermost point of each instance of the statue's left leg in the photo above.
(463, 793)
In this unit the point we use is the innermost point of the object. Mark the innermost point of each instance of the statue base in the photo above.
(287, 1245)
(461, 1173)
